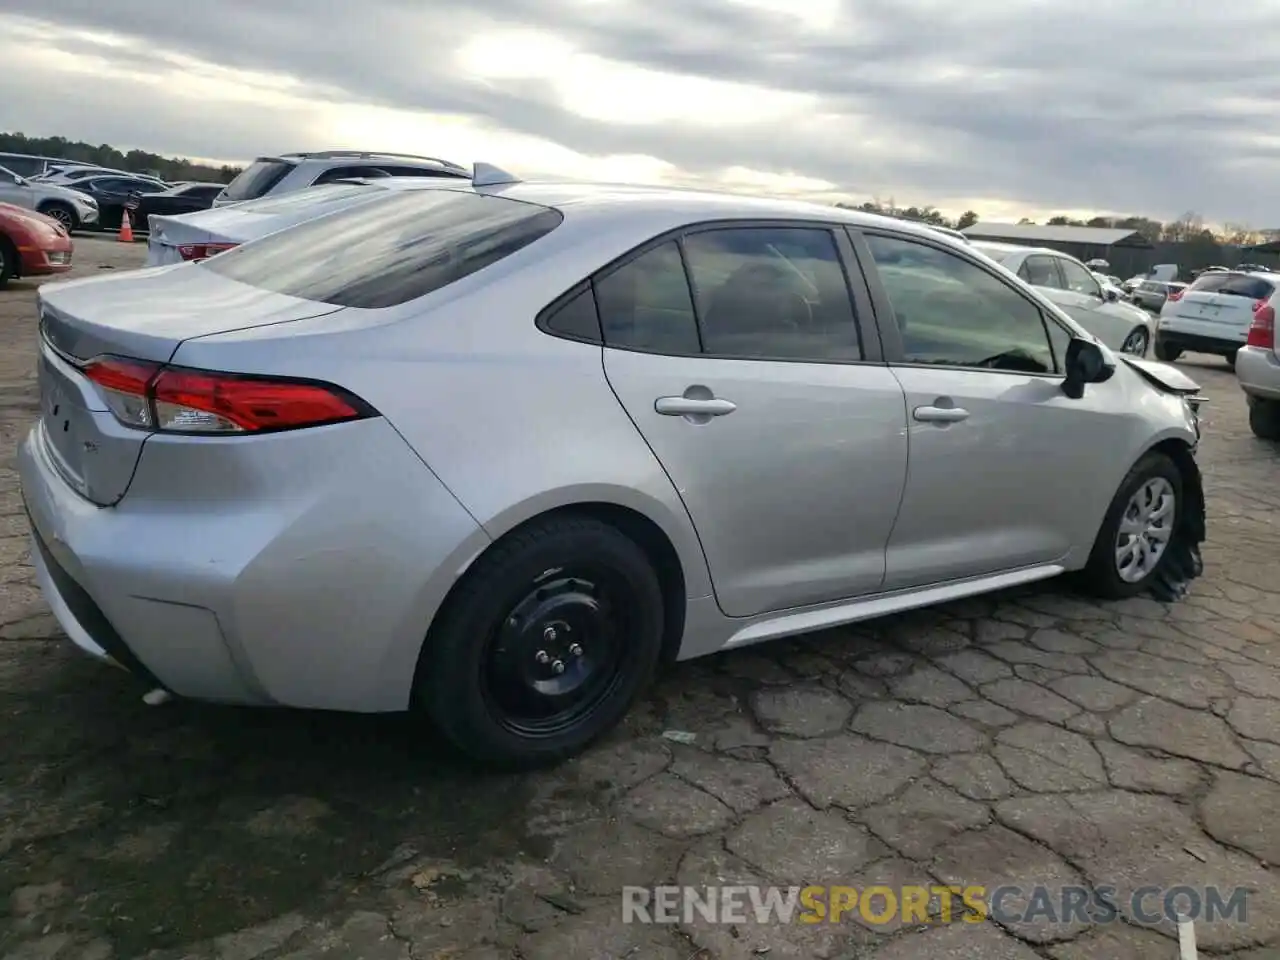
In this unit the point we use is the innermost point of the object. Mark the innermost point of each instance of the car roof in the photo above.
(616, 203)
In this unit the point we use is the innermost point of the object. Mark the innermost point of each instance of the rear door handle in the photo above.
(940, 414)
(693, 407)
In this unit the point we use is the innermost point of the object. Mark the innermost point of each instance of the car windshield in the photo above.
(410, 244)
(257, 178)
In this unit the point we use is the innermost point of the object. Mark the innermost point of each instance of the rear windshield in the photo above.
(257, 178)
(396, 248)
(310, 197)
(1234, 285)
(995, 253)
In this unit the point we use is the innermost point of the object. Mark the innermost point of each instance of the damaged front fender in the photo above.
(1182, 561)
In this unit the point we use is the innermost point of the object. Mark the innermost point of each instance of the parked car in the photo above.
(69, 207)
(113, 193)
(493, 451)
(28, 165)
(1073, 287)
(177, 199)
(1152, 294)
(31, 244)
(296, 171)
(1258, 370)
(198, 236)
(74, 176)
(1214, 314)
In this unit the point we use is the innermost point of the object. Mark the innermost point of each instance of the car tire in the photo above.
(1167, 352)
(1230, 358)
(1105, 575)
(1137, 342)
(8, 262)
(1264, 418)
(62, 212)
(565, 601)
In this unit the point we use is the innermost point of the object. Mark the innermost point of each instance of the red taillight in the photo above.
(202, 251)
(1262, 332)
(1175, 295)
(179, 400)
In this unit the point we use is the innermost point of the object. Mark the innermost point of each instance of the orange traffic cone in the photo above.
(126, 228)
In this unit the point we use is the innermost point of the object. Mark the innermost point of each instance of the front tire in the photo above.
(1167, 352)
(1135, 344)
(545, 644)
(8, 262)
(61, 212)
(1134, 541)
(1264, 418)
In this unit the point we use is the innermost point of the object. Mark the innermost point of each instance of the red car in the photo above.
(31, 244)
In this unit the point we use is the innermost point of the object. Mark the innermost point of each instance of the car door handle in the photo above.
(940, 414)
(693, 407)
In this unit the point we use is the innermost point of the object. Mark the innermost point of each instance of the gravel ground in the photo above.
(1031, 737)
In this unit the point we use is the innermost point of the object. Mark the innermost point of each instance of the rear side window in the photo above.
(1234, 285)
(257, 178)
(350, 173)
(396, 248)
(645, 304)
(1041, 272)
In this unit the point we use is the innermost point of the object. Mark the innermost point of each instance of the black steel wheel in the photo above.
(544, 645)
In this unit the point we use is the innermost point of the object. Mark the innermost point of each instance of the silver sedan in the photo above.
(493, 452)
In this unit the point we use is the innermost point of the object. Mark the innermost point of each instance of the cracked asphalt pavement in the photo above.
(1029, 737)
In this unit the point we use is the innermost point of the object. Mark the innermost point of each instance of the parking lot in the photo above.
(1028, 738)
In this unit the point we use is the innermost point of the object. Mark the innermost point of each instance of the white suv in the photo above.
(296, 171)
(1214, 314)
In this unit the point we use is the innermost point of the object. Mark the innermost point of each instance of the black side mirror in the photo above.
(1110, 295)
(1085, 363)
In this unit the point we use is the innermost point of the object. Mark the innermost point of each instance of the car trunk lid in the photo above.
(81, 320)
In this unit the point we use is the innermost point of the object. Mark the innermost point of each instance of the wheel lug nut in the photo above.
(549, 634)
(541, 656)
(575, 649)
(557, 667)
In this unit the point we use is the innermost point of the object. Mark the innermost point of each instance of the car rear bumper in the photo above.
(317, 594)
(1258, 370)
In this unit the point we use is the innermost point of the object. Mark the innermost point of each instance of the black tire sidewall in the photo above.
(1101, 571)
(48, 207)
(448, 687)
(1264, 418)
(1166, 353)
(1146, 340)
(7, 268)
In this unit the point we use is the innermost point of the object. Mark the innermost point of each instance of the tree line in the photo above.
(105, 155)
(1188, 228)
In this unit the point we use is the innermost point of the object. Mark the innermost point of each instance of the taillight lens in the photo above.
(1262, 332)
(180, 400)
(202, 251)
(1175, 295)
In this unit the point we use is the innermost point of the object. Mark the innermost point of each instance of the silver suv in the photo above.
(71, 208)
(296, 171)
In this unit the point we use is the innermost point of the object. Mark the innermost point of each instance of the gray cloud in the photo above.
(1049, 103)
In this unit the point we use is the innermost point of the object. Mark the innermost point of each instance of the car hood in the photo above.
(12, 214)
(1163, 376)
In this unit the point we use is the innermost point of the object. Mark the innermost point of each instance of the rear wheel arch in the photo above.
(646, 533)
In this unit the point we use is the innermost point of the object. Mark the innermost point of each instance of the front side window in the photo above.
(951, 312)
(409, 245)
(1078, 279)
(773, 293)
(1041, 272)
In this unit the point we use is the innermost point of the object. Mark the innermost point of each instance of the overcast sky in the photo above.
(1009, 107)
